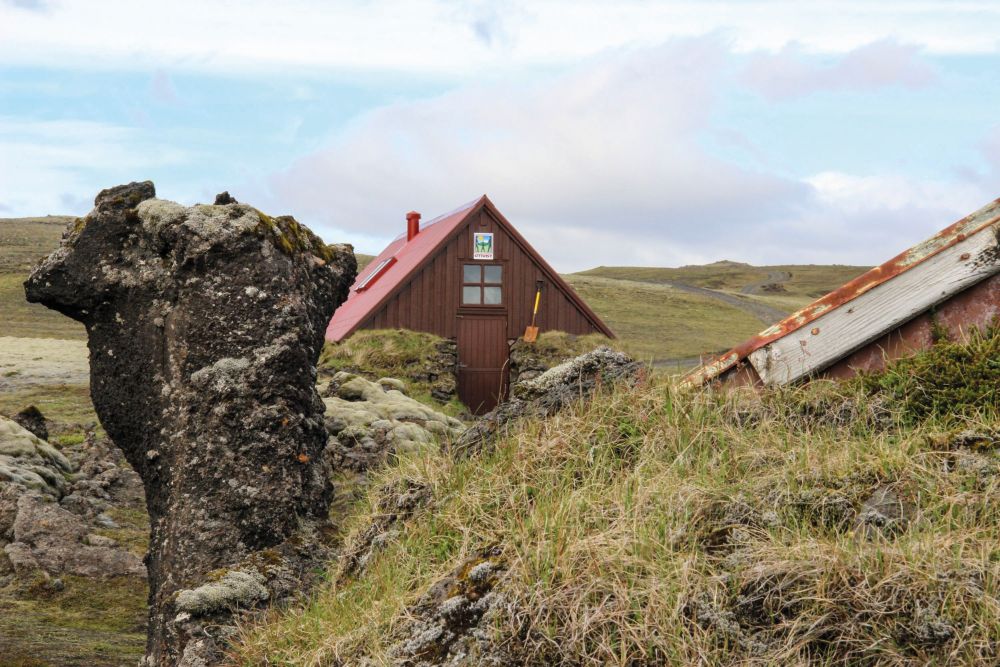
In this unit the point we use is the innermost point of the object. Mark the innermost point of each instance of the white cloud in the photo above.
(48, 166)
(31, 5)
(872, 218)
(438, 37)
(605, 165)
(614, 145)
(789, 73)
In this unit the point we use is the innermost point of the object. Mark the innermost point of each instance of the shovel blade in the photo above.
(530, 334)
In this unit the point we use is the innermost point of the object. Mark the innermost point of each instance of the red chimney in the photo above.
(412, 225)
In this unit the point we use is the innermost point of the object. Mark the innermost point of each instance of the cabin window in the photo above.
(482, 285)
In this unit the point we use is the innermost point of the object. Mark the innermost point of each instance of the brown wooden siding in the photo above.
(431, 300)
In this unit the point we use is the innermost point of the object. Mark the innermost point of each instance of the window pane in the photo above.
(494, 274)
(491, 296)
(472, 273)
(471, 295)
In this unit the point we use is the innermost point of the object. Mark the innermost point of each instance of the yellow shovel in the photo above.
(531, 332)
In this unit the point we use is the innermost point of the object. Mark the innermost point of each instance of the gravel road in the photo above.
(766, 314)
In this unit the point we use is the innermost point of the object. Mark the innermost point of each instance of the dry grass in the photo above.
(663, 528)
(657, 322)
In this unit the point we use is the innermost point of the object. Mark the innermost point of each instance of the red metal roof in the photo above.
(905, 261)
(408, 256)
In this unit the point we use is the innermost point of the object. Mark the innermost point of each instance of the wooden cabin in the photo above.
(950, 283)
(467, 275)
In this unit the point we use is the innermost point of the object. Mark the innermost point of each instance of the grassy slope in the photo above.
(363, 260)
(654, 526)
(658, 322)
(653, 321)
(24, 241)
(807, 282)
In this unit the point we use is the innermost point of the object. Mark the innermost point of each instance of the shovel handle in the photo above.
(538, 296)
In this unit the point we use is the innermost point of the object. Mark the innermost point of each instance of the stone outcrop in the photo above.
(549, 392)
(30, 463)
(32, 419)
(529, 360)
(441, 371)
(450, 624)
(204, 326)
(48, 521)
(369, 421)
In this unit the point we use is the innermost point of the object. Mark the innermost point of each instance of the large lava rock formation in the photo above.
(204, 325)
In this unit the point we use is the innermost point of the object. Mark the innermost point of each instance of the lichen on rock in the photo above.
(39, 534)
(29, 461)
(449, 625)
(549, 392)
(369, 421)
(235, 589)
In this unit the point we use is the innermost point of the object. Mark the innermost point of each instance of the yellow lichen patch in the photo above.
(291, 237)
(78, 226)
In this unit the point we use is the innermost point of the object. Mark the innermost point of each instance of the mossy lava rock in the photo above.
(204, 325)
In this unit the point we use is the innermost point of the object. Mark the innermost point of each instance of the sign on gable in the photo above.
(482, 245)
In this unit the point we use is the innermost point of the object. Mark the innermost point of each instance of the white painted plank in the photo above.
(837, 333)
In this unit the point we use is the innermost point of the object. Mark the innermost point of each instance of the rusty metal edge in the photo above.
(955, 233)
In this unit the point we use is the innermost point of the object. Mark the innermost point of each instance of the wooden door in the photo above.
(483, 358)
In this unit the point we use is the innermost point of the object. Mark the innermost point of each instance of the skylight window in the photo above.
(376, 272)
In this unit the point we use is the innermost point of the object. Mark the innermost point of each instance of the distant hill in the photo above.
(798, 281)
(660, 323)
(24, 241)
(690, 311)
(363, 260)
(672, 316)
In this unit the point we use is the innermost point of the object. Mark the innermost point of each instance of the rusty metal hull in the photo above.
(967, 308)
(975, 308)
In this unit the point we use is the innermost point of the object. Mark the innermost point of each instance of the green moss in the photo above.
(947, 380)
(90, 621)
(291, 237)
(68, 439)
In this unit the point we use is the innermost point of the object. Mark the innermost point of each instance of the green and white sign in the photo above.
(482, 245)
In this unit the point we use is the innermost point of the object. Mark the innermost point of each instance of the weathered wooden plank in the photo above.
(858, 322)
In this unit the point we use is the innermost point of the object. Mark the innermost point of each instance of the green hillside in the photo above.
(658, 322)
(801, 282)
(24, 241)
(669, 316)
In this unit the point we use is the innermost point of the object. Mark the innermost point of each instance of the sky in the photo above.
(631, 132)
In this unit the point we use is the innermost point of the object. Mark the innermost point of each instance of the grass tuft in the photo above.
(654, 526)
(949, 380)
(411, 356)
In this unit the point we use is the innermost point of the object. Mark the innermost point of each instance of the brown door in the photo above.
(482, 361)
